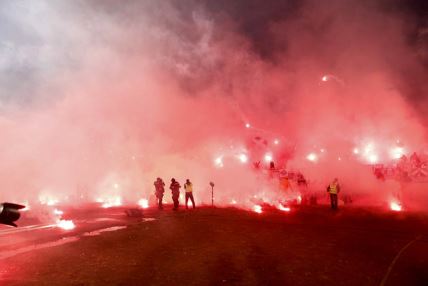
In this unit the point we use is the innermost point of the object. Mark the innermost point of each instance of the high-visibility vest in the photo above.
(333, 188)
(188, 187)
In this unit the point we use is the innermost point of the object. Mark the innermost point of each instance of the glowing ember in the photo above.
(243, 158)
(276, 141)
(268, 157)
(144, 203)
(299, 199)
(394, 206)
(312, 157)
(247, 125)
(324, 78)
(65, 224)
(58, 212)
(258, 209)
(233, 202)
(282, 208)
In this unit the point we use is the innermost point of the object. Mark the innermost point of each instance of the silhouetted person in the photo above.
(159, 191)
(301, 181)
(188, 186)
(175, 191)
(333, 189)
(415, 160)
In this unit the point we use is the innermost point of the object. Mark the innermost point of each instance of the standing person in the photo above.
(333, 189)
(188, 186)
(159, 191)
(175, 191)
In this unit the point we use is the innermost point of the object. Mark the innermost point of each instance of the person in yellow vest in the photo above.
(188, 186)
(333, 189)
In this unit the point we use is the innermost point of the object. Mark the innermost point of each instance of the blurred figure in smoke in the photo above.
(159, 191)
(284, 183)
(302, 184)
(272, 169)
(333, 189)
(175, 191)
(415, 161)
(188, 186)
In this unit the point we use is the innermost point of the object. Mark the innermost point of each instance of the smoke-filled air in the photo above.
(99, 98)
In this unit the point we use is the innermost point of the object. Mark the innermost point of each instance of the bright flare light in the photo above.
(112, 202)
(243, 158)
(276, 141)
(312, 157)
(268, 157)
(144, 203)
(397, 152)
(58, 212)
(218, 162)
(233, 202)
(372, 158)
(282, 208)
(356, 151)
(65, 224)
(247, 125)
(258, 209)
(394, 206)
(324, 78)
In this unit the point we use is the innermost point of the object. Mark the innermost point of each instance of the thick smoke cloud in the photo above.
(99, 98)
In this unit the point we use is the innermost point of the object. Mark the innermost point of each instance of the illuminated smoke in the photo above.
(135, 91)
(58, 212)
(109, 202)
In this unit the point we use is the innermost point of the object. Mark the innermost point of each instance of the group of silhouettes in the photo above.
(175, 191)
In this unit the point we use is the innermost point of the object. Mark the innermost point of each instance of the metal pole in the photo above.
(212, 196)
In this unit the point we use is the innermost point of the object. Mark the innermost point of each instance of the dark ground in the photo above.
(308, 246)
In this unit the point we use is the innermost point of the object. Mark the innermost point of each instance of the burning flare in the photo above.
(65, 224)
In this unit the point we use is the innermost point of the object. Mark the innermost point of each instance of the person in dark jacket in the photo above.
(175, 191)
(159, 191)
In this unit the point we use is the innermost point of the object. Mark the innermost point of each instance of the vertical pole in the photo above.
(212, 196)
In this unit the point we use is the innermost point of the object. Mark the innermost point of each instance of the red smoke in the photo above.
(133, 96)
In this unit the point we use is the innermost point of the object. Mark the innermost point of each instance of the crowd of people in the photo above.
(175, 192)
